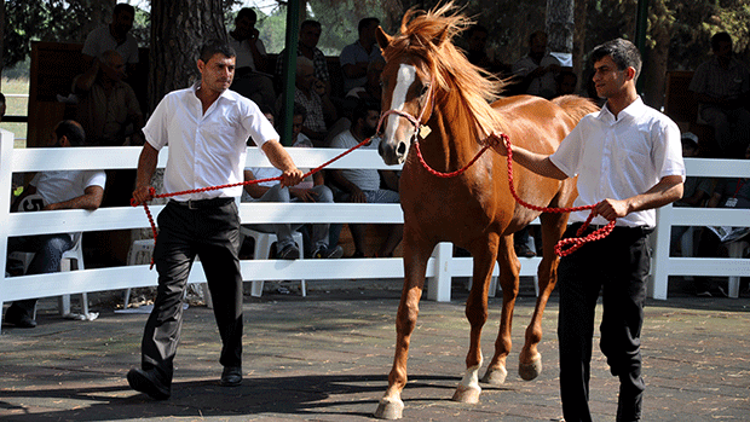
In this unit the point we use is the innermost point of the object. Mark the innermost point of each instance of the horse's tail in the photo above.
(576, 107)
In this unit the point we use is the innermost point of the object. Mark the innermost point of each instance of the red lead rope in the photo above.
(572, 243)
(247, 182)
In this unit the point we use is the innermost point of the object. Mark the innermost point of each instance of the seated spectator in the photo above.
(722, 85)
(538, 68)
(363, 185)
(356, 57)
(309, 190)
(311, 94)
(250, 79)
(566, 82)
(115, 36)
(729, 193)
(309, 35)
(78, 189)
(107, 107)
(696, 191)
(371, 90)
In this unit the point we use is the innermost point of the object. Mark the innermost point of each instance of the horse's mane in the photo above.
(429, 35)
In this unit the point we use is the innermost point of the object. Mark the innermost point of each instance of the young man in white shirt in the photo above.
(206, 127)
(628, 160)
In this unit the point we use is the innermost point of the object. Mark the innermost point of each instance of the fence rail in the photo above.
(441, 268)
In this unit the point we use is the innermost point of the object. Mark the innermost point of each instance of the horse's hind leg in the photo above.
(530, 360)
(484, 253)
(509, 270)
(416, 256)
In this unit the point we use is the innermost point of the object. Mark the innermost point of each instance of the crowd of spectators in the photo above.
(328, 115)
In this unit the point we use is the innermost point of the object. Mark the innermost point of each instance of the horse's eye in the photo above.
(424, 90)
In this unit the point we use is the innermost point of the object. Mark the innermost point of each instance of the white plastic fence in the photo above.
(441, 268)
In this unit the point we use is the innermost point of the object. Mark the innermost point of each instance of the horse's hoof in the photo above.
(469, 395)
(495, 376)
(390, 409)
(529, 371)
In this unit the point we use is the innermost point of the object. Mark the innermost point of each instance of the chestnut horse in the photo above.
(434, 96)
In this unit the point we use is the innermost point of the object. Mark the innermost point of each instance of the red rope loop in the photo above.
(573, 243)
(153, 194)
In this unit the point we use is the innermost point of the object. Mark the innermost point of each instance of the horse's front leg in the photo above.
(416, 255)
(468, 390)
(509, 270)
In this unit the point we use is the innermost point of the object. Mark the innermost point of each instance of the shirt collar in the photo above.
(228, 93)
(634, 109)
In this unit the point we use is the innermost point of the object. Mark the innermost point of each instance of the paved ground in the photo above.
(326, 358)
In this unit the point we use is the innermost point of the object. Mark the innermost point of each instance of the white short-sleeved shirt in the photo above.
(206, 149)
(364, 179)
(620, 157)
(100, 40)
(61, 186)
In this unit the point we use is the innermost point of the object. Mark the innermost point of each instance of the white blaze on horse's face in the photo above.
(399, 131)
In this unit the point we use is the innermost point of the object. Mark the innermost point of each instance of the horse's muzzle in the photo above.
(392, 155)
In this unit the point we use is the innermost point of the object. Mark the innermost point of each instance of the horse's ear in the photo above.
(383, 39)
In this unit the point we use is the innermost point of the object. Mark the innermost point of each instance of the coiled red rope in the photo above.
(564, 247)
(210, 188)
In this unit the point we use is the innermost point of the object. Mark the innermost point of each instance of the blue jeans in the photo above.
(48, 251)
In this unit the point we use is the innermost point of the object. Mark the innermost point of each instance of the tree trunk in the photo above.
(560, 25)
(2, 37)
(178, 29)
(579, 45)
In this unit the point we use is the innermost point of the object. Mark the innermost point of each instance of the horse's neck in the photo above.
(452, 138)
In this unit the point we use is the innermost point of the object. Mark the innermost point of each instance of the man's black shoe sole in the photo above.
(140, 380)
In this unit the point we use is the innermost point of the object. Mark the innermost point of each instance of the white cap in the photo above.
(690, 135)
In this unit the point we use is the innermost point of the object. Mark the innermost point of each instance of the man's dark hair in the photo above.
(719, 38)
(623, 52)
(247, 12)
(309, 23)
(211, 47)
(365, 22)
(362, 108)
(123, 7)
(299, 110)
(71, 130)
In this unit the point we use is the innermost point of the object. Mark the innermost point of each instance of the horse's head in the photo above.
(424, 75)
(407, 99)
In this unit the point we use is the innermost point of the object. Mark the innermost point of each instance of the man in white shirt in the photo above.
(628, 160)
(74, 189)
(538, 68)
(363, 185)
(206, 127)
(115, 36)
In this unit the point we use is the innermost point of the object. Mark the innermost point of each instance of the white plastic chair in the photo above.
(72, 259)
(262, 250)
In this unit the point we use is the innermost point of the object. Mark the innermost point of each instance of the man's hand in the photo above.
(357, 196)
(498, 142)
(143, 194)
(291, 177)
(612, 209)
(306, 195)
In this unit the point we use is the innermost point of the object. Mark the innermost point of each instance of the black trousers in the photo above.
(616, 267)
(210, 230)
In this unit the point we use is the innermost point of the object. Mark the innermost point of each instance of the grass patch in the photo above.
(16, 106)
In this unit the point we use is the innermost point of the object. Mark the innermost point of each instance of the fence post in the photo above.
(660, 259)
(439, 286)
(6, 177)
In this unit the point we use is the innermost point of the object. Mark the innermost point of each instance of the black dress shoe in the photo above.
(231, 376)
(20, 321)
(147, 382)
